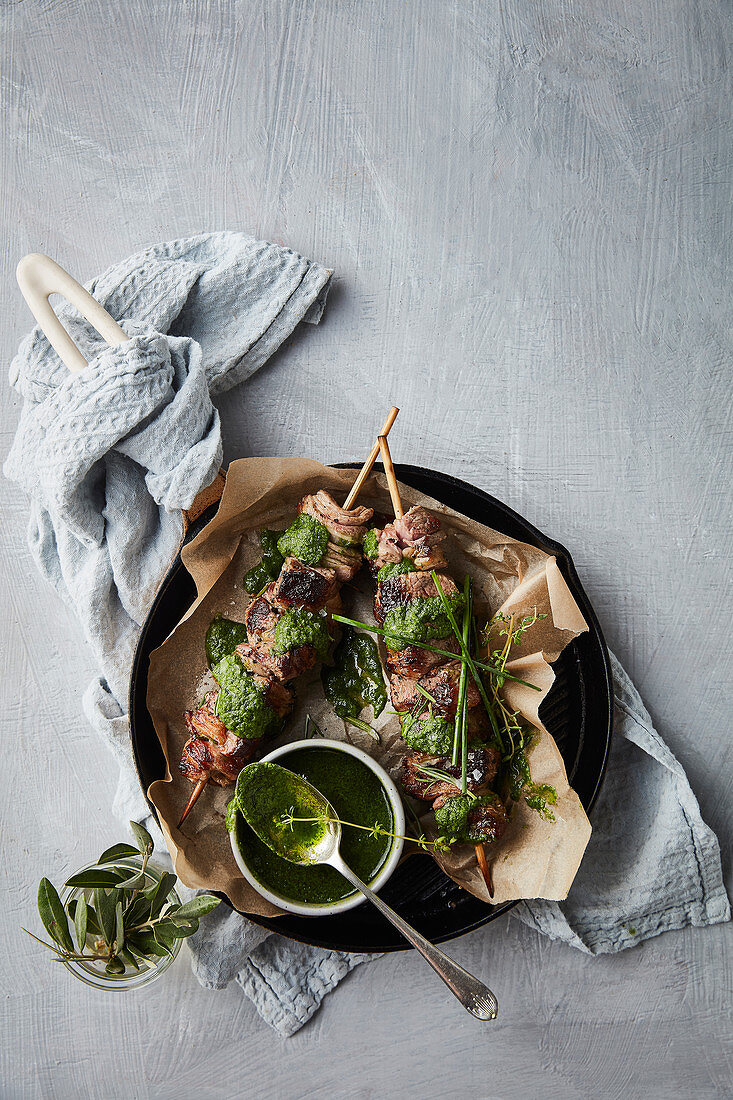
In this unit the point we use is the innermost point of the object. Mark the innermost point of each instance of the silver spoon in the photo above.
(323, 848)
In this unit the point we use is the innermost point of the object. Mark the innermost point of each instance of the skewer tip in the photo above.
(195, 795)
(484, 868)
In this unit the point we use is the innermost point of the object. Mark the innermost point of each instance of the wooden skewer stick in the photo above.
(195, 795)
(484, 868)
(373, 454)
(355, 490)
(394, 491)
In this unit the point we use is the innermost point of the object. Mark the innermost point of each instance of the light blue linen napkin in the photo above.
(111, 455)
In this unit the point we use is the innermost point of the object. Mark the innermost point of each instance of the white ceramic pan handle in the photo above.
(38, 276)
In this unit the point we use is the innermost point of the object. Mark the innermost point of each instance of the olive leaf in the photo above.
(115, 966)
(94, 877)
(81, 913)
(129, 958)
(137, 912)
(107, 914)
(133, 883)
(53, 915)
(145, 944)
(159, 895)
(117, 851)
(196, 907)
(143, 838)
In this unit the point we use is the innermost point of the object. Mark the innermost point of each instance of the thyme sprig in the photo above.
(440, 844)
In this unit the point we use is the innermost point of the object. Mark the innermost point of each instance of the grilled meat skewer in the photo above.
(286, 636)
(424, 686)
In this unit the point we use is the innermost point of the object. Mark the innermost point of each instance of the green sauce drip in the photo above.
(268, 567)
(395, 568)
(230, 818)
(421, 621)
(356, 794)
(355, 679)
(433, 735)
(267, 791)
(305, 539)
(222, 638)
(240, 704)
(371, 544)
(298, 627)
(538, 796)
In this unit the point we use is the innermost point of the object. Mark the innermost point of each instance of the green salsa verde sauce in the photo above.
(222, 638)
(297, 627)
(355, 678)
(357, 795)
(395, 569)
(267, 790)
(305, 539)
(240, 704)
(268, 567)
(371, 544)
(421, 621)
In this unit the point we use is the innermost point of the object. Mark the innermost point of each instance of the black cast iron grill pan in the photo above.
(578, 713)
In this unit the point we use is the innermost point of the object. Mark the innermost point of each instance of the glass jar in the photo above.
(94, 973)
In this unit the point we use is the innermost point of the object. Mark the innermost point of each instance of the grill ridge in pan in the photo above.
(577, 711)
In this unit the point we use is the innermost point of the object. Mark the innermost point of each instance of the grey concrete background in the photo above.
(528, 209)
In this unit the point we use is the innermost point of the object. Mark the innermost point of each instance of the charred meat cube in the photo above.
(212, 752)
(303, 585)
(441, 685)
(483, 764)
(416, 536)
(413, 662)
(416, 524)
(281, 667)
(344, 562)
(202, 759)
(346, 528)
(389, 548)
(404, 588)
(468, 820)
(261, 618)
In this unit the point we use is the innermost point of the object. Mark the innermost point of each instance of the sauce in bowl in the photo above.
(357, 795)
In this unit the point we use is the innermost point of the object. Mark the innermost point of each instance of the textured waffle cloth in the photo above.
(110, 456)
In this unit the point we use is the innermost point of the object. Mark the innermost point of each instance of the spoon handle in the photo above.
(476, 997)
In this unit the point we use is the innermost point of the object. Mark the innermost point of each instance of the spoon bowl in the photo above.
(252, 869)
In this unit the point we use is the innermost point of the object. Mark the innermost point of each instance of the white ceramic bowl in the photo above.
(398, 814)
